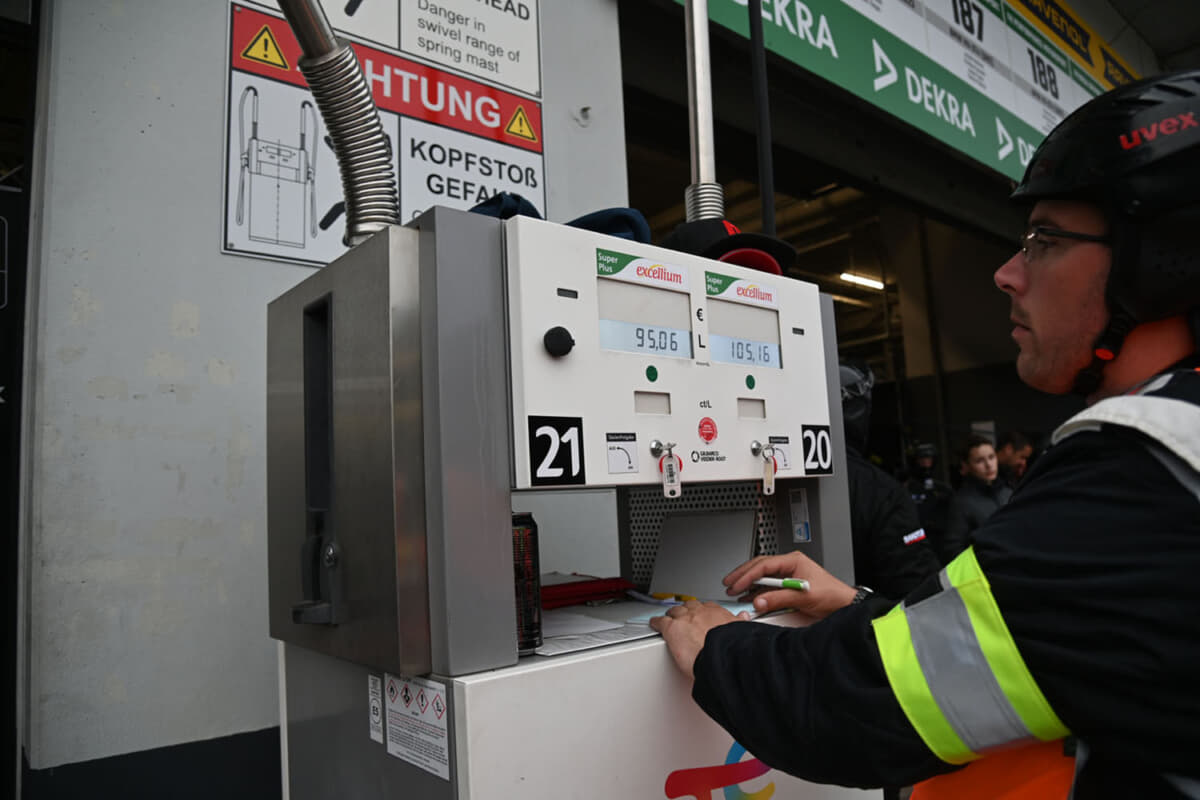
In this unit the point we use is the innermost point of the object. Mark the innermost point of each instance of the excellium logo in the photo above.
(756, 293)
(701, 783)
(659, 273)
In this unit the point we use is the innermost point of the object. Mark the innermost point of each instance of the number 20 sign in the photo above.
(556, 451)
(817, 448)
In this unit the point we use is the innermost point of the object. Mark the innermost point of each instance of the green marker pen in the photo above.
(798, 584)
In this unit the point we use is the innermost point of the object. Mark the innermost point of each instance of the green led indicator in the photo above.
(652, 373)
(749, 381)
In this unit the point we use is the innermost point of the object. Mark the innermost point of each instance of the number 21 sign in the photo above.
(556, 451)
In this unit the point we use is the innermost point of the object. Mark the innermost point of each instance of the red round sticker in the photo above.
(708, 429)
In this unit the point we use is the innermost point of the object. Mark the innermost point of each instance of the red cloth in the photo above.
(1036, 772)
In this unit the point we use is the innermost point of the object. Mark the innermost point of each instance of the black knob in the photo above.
(558, 341)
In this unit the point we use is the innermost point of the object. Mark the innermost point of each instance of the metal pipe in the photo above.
(704, 198)
(310, 25)
(762, 104)
(935, 347)
(363, 148)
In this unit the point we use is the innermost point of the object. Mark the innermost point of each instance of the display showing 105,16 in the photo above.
(734, 350)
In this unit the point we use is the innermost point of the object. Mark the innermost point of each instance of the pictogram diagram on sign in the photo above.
(439, 706)
(277, 195)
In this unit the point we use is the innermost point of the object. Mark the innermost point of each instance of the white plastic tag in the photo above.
(769, 468)
(670, 465)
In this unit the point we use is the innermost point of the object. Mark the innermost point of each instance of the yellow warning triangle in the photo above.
(264, 49)
(519, 126)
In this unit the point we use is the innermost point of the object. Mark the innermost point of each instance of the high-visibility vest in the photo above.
(956, 671)
(955, 668)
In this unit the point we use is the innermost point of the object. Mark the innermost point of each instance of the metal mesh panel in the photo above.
(647, 507)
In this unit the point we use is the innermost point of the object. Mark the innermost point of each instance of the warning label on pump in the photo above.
(417, 732)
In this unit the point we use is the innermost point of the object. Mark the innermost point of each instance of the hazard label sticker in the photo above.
(417, 727)
(264, 49)
(519, 126)
(456, 142)
(375, 707)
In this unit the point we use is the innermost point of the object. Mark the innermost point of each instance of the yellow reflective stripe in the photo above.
(1000, 650)
(912, 691)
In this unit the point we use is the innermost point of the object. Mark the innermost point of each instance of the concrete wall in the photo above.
(144, 515)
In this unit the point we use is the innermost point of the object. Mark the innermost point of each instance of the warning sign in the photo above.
(519, 126)
(447, 168)
(456, 142)
(264, 49)
(418, 733)
(495, 42)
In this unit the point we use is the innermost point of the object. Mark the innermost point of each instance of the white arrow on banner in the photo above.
(1006, 142)
(885, 69)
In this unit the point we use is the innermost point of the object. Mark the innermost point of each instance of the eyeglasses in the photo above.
(1034, 243)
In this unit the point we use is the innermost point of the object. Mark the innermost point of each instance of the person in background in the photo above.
(931, 496)
(981, 494)
(892, 553)
(1076, 613)
(1013, 451)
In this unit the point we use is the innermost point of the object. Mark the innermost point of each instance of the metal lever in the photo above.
(770, 467)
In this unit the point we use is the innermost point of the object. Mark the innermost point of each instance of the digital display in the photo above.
(654, 340)
(735, 350)
(636, 318)
(743, 334)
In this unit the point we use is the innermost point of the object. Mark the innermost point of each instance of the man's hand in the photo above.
(825, 594)
(684, 628)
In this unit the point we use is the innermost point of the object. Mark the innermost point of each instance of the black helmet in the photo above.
(1135, 152)
(857, 381)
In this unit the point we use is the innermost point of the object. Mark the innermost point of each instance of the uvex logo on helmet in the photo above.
(1167, 126)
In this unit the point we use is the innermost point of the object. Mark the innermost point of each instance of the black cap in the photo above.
(721, 240)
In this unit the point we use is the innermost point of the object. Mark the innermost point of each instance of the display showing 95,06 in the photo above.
(634, 337)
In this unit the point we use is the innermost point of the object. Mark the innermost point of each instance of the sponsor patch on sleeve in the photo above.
(915, 536)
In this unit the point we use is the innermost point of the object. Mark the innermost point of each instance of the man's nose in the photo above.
(1010, 278)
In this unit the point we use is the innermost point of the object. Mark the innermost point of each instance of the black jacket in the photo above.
(1093, 565)
(892, 554)
(932, 499)
(973, 503)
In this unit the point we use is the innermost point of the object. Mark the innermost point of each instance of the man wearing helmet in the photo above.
(1075, 616)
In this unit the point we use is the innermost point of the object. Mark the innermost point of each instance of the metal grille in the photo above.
(647, 507)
